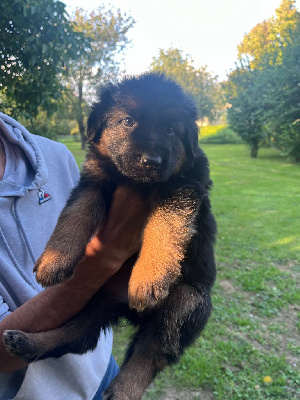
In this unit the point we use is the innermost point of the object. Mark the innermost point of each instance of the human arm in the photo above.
(105, 254)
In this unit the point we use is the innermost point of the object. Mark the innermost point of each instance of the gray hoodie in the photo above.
(38, 177)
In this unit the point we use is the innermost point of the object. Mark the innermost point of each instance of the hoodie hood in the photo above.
(39, 176)
(19, 182)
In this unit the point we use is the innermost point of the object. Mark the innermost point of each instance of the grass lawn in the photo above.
(253, 332)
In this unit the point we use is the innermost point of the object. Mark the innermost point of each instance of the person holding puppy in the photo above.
(36, 177)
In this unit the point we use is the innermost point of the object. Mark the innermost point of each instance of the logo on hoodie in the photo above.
(43, 197)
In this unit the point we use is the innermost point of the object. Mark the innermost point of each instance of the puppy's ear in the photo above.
(191, 136)
(97, 118)
(95, 123)
(191, 141)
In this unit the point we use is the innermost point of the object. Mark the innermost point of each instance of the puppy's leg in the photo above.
(166, 235)
(82, 216)
(78, 335)
(171, 328)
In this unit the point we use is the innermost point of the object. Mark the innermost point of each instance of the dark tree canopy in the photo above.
(36, 41)
(245, 111)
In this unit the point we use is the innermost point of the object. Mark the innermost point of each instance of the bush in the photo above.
(49, 126)
(220, 134)
(287, 139)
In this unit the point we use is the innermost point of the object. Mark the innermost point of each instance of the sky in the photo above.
(208, 30)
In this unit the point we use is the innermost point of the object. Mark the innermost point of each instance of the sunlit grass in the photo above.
(210, 130)
(256, 201)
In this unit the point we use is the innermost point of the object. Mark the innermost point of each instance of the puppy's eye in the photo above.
(170, 130)
(129, 122)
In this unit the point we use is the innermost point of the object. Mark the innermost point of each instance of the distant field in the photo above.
(75, 148)
(253, 333)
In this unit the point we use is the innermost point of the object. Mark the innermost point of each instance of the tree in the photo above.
(107, 32)
(283, 112)
(37, 41)
(264, 90)
(265, 43)
(198, 82)
(245, 106)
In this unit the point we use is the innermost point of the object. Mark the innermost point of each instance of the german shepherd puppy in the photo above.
(142, 133)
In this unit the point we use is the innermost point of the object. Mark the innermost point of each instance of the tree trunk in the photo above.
(254, 151)
(80, 120)
(82, 132)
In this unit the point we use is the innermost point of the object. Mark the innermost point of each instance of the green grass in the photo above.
(254, 328)
(75, 148)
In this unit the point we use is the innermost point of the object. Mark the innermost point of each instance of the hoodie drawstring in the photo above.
(8, 249)
(20, 226)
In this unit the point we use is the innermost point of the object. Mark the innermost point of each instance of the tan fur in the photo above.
(93, 167)
(50, 257)
(58, 257)
(165, 237)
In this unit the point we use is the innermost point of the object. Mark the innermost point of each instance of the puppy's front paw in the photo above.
(52, 268)
(143, 294)
(19, 344)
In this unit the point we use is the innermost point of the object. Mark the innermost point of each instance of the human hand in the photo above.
(121, 234)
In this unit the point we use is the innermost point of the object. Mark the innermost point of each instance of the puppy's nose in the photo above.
(153, 161)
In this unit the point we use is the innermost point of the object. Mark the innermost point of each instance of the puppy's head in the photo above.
(146, 127)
